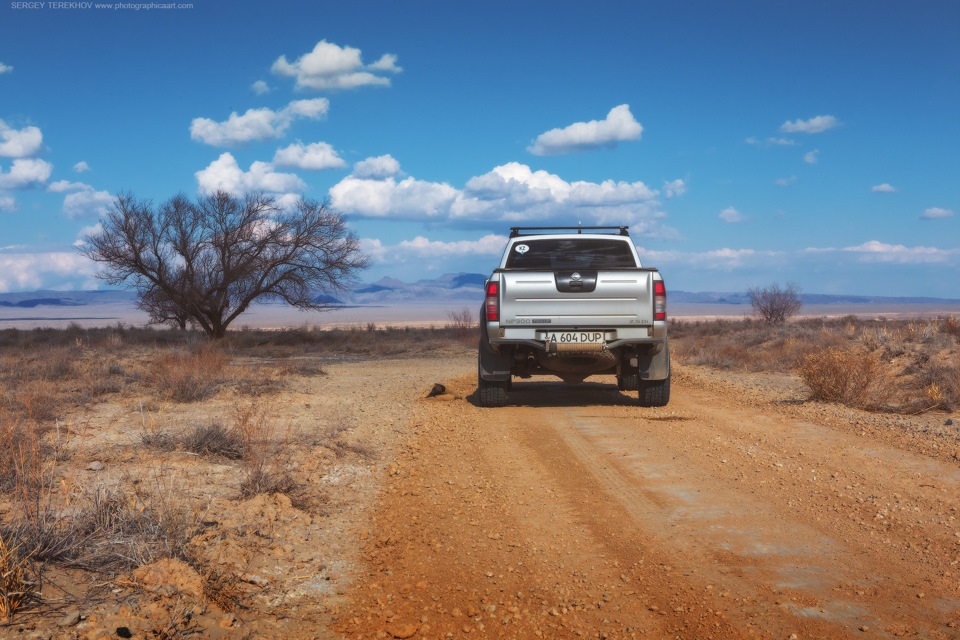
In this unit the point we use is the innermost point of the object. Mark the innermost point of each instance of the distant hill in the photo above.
(449, 287)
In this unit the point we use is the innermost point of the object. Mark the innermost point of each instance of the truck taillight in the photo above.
(659, 300)
(492, 303)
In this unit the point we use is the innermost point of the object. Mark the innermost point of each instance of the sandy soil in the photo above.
(738, 511)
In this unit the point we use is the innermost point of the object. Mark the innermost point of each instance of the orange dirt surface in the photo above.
(740, 510)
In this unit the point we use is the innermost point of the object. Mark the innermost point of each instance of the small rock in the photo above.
(124, 632)
(71, 619)
(437, 390)
(96, 465)
(403, 630)
(949, 422)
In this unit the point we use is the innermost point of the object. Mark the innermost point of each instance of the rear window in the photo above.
(563, 254)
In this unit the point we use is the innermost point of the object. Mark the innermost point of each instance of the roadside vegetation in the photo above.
(59, 516)
(904, 366)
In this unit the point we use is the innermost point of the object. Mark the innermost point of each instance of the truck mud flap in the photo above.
(492, 366)
(654, 366)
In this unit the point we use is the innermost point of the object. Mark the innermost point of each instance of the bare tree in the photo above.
(207, 261)
(775, 305)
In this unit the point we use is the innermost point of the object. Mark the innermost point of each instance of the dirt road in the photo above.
(738, 511)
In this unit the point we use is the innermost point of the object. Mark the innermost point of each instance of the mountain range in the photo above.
(450, 287)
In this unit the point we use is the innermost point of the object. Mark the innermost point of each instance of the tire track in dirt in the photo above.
(572, 513)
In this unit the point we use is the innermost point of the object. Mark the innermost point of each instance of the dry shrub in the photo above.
(265, 463)
(950, 325)
(17, 579)
(189, 377)
(848, 376)
(941, 386)
(215, 440)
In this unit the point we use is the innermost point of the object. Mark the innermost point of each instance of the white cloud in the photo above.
(25, 173)
(256, 124)
(377, 168)
(883, 188)
(876, 251)
(54, 270)
(330, 66)
(315, 156)
(619, 126)
(724, 259)
(775, 142)
(5, 68)
(817, 124)
(510, 193)
(60, 186)
(7, 203)
(224, 173)
(785, 182)
(811, 157)
(435, 255)
(674, 188)
(731, 215)
(81, 167)
(19, 143)
(260, 87)
(87, 203)
(406, 199)
(936, 213)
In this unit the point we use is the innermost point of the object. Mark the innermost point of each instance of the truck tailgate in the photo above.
(545, 298)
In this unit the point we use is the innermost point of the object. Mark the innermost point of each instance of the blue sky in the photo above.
(745, 143)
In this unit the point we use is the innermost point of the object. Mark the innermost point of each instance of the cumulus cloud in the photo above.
(377, 168)
(87, 203)
(256, 124)
(224, 173)
(936, 213)
(260, 87)
(330, 66)
(510, 193)
(817, 124)
(618, 126)
(25, 173)
(82, 200)
(811, 157)
(674, 188)
(731, 215)
(81, 167)
(315, 156)
(53, 270)
(5, 68)
(19, 143)
(883, 188)
(7, 203)
(387, 197)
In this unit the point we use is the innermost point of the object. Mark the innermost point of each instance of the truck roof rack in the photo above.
(520, 231)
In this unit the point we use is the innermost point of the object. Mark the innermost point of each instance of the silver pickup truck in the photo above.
(574, 302)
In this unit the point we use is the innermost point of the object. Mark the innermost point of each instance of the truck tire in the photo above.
(654, 393)
(492, 394)
(629, 381)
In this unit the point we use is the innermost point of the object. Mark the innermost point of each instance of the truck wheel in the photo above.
(654, 393)
(492, 394)
(629, 382)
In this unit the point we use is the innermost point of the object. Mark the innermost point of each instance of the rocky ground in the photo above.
(740, 510)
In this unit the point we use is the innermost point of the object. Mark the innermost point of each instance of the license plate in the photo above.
(574, 337)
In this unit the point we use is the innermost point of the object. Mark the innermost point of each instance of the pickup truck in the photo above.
(574, 302)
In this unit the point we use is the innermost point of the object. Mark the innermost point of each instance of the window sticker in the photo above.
(521, 249)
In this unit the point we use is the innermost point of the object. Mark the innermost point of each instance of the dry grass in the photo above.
(849, 376)
(906, 366)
